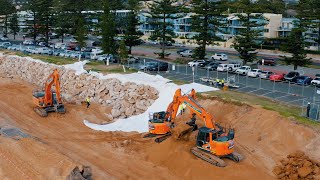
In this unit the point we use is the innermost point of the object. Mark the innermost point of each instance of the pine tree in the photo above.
(309, 17)
(81, 31)
(123, 52)
(253, 27)
(14, 26)
(296, 46)
(108, 28)
(132, 35)
(6, 9)
(162, 12)
(296, 42)
(206, 23)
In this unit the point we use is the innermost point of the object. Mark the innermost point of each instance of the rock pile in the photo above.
(297, 166)
(125, 99)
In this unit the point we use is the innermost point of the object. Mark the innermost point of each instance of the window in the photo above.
(266, 30)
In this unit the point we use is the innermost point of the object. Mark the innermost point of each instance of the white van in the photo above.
(233, 67)
(222, 67)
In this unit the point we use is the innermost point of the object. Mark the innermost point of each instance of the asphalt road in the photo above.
(283, 91)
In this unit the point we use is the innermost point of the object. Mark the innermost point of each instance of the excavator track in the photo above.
(206, 156)
(162, 138)
(158, 139)
(41, 112)
(235, 157)
(149, 135)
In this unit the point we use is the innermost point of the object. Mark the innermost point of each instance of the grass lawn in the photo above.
(283, 109)
(112, 68)
(49, 59)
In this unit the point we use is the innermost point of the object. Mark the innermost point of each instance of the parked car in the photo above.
(132, 59)
(316, 81)
(161, 66)
(5, 44)
(28, 42)
(203, 64)
(56, 52)
(302, 80)
(232, 67)
(219, 56)
(42, 50)
(187, 53)
(178, 45)
(195, 63)
(243, 70)
(222, 67)
(267, 61)
(212, 66)
(4, 38)
(148, 65)
(181, 50)
(96, 43)
(265, 74)
(254, 73)
(277, 77)
(291, 75)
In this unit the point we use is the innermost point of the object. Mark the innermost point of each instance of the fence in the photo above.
(311, 109)
(286, 92)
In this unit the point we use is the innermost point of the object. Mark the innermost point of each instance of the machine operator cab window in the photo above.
(204, 134)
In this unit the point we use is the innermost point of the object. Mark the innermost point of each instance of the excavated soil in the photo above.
(60, 142)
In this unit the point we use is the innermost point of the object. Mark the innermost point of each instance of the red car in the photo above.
(276, 77)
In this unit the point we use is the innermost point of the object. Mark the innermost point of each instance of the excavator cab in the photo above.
(158, 125)
(218, 144)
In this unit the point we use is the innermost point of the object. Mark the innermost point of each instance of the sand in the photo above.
(60, 142)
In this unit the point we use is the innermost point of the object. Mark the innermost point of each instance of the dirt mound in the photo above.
(62, 141)
(297, 166)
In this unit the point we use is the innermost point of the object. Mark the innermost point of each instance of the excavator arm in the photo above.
(53, 79)
(189, 100)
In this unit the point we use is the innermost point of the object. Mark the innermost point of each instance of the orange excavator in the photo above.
(213, 141)
(47, 100)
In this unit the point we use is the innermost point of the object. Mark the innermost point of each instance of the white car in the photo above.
(27, 42)
(316, 81)
(3, 44)
(4, 38)
(42, 50)
(243, 70)
(195, 63)
(219, 56)
(222, 67)
(187, 53)
(233, 67)
(254, 73)
(265, 74)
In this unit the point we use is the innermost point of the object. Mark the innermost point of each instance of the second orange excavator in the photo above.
(47, 100)
(213, 141)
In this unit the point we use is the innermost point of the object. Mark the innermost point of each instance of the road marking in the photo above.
(295, 100)
(283, 96)
(267, 93)
(255, 90)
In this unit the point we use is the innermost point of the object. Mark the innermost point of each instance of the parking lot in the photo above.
(286, 92)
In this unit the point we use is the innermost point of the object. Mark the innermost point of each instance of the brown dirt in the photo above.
(63, 141)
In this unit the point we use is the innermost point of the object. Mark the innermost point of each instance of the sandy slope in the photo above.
(63, 141)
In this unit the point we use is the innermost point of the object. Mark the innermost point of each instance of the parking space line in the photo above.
(267, 93)
(295, 100)
(254, 90)
(282, 96)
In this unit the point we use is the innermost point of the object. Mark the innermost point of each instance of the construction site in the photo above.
(140, 126)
